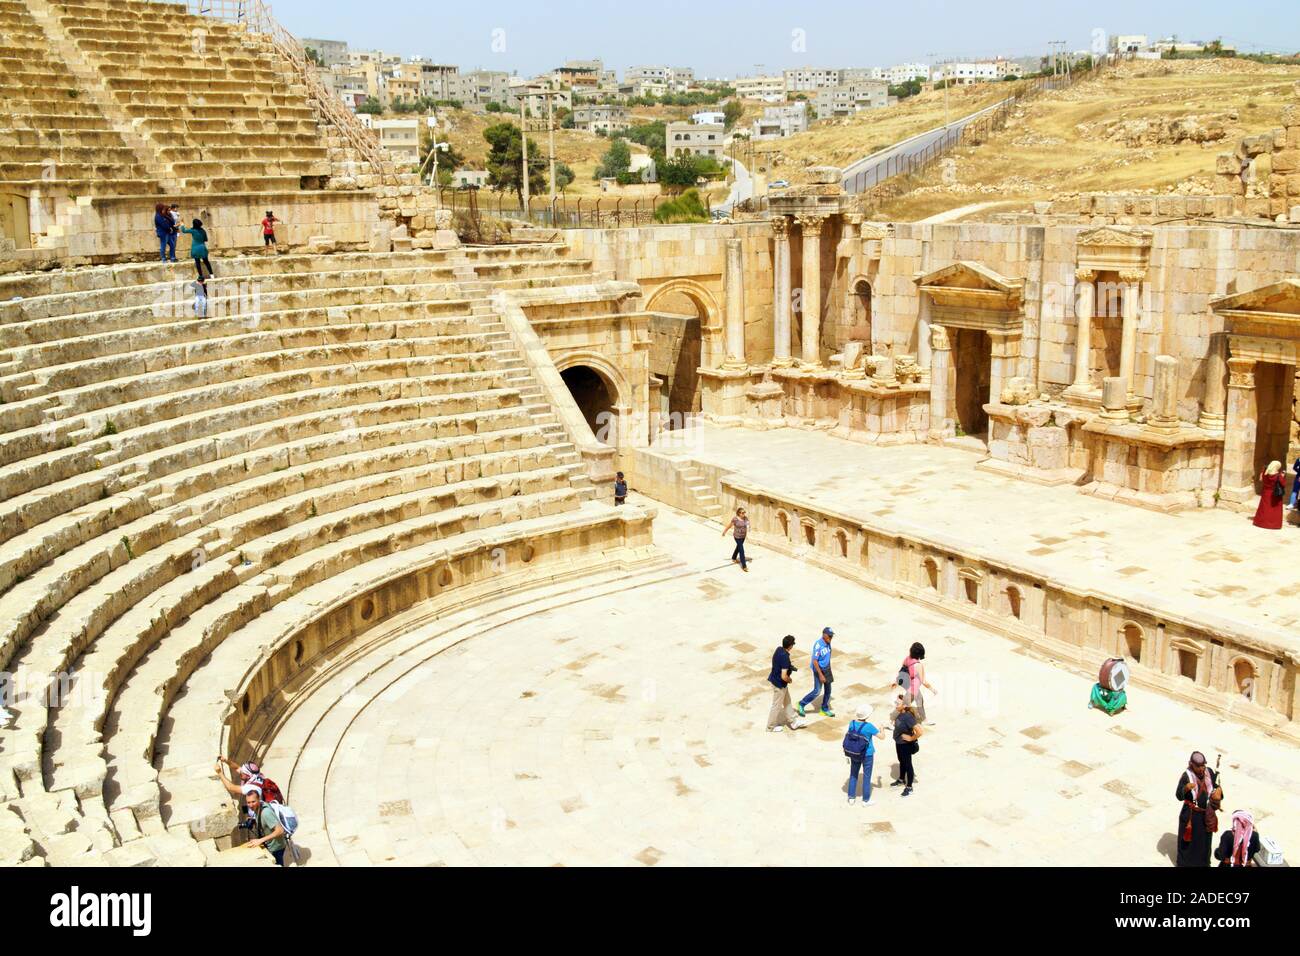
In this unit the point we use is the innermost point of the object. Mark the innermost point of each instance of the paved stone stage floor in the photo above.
(623, 723)
(1202, 563)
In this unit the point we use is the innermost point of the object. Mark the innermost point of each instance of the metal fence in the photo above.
(562, 213)
(886, 179)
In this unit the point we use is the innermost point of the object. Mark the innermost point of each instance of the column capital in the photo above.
(811, 221)
(781, 227)
(939, 338)
(1132, 275)
(1241, 373)
(1084, 275)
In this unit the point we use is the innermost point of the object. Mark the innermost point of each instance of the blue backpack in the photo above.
(855, 742)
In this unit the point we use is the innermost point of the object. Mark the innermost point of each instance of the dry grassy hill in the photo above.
(1143, 127)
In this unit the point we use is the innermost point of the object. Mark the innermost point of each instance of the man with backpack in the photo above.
(860, 748)
(270, 831)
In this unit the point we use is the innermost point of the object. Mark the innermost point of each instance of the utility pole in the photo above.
(523, 132)
(550, 122)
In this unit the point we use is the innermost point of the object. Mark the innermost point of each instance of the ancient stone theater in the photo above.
(350, 513)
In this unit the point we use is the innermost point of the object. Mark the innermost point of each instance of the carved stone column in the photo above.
(1216, 393)
(735, 330)
(811, 297)
(942, 398)
(1242, 416)
(1128, 342)
(781, 293)
(1004, 357)
(1085, 296)
(1114, 400)
(1164, 410)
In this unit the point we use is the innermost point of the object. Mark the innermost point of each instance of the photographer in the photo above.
(781, 714)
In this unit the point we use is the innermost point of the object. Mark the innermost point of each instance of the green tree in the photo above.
(494, 107)
(731, 113)
(617, 159)
(563, 176)
(371, 106)
(649, 135)
(314, 57)
(905, 89)
(505, 161)
(688, 207)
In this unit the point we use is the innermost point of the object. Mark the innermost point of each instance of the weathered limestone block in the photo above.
(1017, 391)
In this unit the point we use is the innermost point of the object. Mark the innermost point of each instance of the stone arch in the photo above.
(678, 367)
(1243, 676)
(971, 581)
(1132, 640)
(1015, 601)
(809, 527)
(783, 522)
(859, 311)
(599, 390)
(1186, 658)
(842, 540)
(930, 573)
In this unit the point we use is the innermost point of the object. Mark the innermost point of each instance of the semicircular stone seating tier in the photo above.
(170, 479)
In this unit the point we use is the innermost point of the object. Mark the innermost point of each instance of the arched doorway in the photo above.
(594, 398)
(680, 311)
(859, 329)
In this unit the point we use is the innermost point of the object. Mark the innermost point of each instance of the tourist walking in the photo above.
(165, 228)
(911, 677)
(860, 748)
(1272, 491)
(1295, 484)
(199, 248)
(270, 832)
(781, 715)
(620, 490)
(1239, 845)
(907, 733)
(822, 676)
(739, 528)
(268, 229)
(200, 299)
(1200, 794)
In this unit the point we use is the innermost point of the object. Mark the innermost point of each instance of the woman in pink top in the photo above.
(914, 669)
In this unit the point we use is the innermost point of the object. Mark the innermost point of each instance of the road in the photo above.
(878, 167)
(742, 187)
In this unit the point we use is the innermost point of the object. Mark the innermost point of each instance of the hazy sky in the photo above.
(730, 39)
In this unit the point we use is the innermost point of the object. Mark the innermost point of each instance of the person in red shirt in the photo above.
(268, 229)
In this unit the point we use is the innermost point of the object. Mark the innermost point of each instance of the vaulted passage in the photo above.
(594, 397)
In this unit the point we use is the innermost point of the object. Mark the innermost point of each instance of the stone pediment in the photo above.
(969, 295)
(1263, 322)
(1279, 299)
(1115, 236)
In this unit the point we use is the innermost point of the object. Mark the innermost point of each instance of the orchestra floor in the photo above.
(622, 722)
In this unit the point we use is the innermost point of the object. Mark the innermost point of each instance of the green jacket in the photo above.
(198, 242)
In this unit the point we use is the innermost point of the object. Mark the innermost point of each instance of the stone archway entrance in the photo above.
(1275, 398)
(679, 316)
(594, 397)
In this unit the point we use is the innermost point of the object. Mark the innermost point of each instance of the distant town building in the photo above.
(672, 79)
(810, 79)
(399, 137)
(480, 87)
(330, 53)
(709, 117)
(1129, 42)
(699, 140)
(902, 73)
(851, 97)
(778, 122)
(475, 178)
(769, 89)
(981, 71)
(601, 118)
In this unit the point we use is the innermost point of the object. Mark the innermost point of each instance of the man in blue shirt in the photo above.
(821, 668)
(862, 726)
(781, 714)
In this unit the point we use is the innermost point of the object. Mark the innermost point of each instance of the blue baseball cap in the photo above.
(828, 632)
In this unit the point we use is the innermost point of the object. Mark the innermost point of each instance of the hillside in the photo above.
(1142, 127)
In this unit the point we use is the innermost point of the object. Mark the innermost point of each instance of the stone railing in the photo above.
(1217, 665)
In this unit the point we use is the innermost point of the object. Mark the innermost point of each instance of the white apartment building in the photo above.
(599, 118)
(400, 138)
(709, 117)
(809, 79)
(480, 87)
(778, 122)
(699, 140)
(674, 79)
(1129, 42)
(851, 97)
(981, 71)
(331, 53)
(902, 73)
(769, 89)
